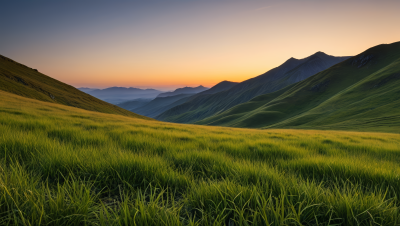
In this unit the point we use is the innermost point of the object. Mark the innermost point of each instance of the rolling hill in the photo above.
(361, 93)
(28, 82)
(292, 71)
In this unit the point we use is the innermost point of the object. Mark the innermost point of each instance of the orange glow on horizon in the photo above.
(209, 43)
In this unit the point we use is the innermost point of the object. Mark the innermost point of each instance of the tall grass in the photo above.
(66, 166)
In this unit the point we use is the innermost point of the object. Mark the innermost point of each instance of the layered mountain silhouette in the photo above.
(222, 86)
(116, 95)
(184, 90)
(22, 80)
(361, 93)
(162, 104)
(290, 72)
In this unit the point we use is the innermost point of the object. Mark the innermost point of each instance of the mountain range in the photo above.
(317, 92)
(116, 95)
(360, 93)
(162, 104)
(184, 90)
(290, 72)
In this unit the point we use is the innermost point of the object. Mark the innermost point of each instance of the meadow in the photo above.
(67, 166)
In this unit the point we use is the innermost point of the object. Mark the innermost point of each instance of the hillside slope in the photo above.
(361, 93)
(292, 71)
(24, 81)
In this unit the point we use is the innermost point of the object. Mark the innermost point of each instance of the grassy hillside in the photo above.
(24, 81)
(292, 71)
(68, 166)
(361, 93)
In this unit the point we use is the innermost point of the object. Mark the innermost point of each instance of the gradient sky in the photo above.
(174, 43)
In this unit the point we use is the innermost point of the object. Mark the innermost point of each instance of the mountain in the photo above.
(361, 93)
(133, 104)
(19, 79)
(292, 71)
(185, 90)
(160, 104)
(116, 95)
(222, 86)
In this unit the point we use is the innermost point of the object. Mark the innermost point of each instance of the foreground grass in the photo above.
(67, 166)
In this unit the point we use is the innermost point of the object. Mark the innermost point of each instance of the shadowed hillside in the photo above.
(361, 93)
(292, 71)
(24, 81)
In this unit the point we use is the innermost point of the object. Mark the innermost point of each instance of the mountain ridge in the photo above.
(277, 78)
(117, 95)
(184, 90)
(361, 91)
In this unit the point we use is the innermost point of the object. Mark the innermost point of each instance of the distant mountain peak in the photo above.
(320, 53)
(291, 61)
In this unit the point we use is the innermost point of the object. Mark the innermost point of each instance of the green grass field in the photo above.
(67, 166)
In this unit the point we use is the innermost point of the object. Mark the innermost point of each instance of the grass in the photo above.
(67, 166)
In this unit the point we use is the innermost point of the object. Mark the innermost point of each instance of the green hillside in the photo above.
(361, 93)
(61, 165)
(24, 81)
(292, 71)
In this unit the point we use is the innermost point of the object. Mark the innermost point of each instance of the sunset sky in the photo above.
(167, 44)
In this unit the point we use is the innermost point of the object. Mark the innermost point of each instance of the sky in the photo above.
(167, 44)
